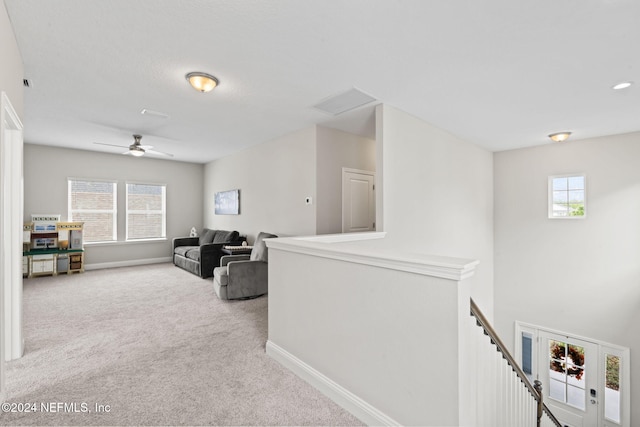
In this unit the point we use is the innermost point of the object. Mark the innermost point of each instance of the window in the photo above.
(94, 203)
(566, 373)
(567, 196)
(612, 403)
(146, 211)
(527, 355)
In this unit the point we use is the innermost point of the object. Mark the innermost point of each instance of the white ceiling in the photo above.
(501, 74)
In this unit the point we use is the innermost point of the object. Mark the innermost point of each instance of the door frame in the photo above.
(11, 222)
(602, 348)
(361, 172)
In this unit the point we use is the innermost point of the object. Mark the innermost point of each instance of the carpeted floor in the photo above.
(154, 346)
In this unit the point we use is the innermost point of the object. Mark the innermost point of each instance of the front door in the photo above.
(568, 370)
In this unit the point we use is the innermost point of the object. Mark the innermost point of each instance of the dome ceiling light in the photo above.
(202, 82)
(560, 136)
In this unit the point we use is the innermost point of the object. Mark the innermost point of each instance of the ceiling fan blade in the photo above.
(161, 153)
(111, 145)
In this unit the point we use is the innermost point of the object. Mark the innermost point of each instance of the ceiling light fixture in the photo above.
(202, 82)
(622, 85)
(136, 151)
(560, 136)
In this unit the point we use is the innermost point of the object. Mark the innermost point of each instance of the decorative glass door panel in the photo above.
(567, 374)
(569, 383)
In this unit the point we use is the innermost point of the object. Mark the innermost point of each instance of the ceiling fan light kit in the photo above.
(560, 136)
(202, 82)
(136, 149)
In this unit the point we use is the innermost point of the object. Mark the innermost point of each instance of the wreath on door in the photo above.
(559, 359)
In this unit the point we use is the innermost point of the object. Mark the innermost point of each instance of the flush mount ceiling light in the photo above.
(622, 85)
(559, 136)
(202, 82)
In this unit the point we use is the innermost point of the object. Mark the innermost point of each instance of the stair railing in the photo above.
(544, 417)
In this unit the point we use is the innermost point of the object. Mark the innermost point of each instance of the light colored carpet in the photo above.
(156, 345)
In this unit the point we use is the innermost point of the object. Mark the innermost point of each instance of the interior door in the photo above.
(358, 201)
(568, 370)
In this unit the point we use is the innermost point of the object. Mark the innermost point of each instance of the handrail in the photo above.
(536, 391)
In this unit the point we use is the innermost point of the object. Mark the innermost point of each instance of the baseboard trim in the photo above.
(128, 263)
(343, 397)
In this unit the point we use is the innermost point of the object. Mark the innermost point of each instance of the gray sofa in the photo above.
(244, 276)
(200, 255)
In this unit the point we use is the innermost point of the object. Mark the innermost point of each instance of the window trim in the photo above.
(550, 195)
(114, 211)
(163, 211)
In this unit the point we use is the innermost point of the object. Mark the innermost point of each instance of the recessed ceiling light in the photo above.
(622, 85)
(560, 136)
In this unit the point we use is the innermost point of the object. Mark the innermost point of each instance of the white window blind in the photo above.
(95, 204)
(146, 211)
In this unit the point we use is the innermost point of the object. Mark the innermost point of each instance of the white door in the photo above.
(358, 201)
(568, 369)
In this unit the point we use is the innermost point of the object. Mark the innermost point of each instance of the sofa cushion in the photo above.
(206, 236)
(183, 250)
(194, 253)
(223, 236)
(259, 251)
(221, 275)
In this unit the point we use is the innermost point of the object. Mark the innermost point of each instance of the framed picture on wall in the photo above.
(227, 202)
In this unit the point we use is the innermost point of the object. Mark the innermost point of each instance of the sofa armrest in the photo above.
(210, 255)
(232, 258)
(247, 279)
(208, 248)
(185, 241)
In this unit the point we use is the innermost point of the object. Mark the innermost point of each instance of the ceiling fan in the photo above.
(136, 149)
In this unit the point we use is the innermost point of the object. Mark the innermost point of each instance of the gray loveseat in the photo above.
(200, 255)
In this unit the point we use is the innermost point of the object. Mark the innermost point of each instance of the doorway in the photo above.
(358, 201)
(585, 382)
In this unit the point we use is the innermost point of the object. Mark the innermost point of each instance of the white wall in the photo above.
(12, 69)
(337, 149)
(274, 178)
(46, 172)
(437, 194)
(578, 276)
(382, 337)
